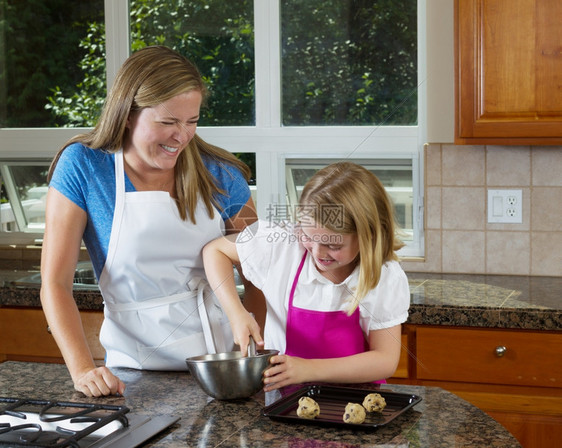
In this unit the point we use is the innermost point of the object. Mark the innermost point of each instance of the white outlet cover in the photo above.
(505, 206)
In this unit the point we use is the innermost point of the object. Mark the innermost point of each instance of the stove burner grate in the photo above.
(44, 423)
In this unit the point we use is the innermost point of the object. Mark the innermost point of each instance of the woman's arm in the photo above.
(378, 363)
(64, 226)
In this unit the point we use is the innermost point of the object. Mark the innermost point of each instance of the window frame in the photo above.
(271, 142)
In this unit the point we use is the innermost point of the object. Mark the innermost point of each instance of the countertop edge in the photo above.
(524, 318)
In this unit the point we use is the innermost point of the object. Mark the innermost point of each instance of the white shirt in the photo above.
(270, 255)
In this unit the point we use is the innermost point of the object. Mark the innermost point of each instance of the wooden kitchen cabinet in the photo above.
(25, 336)
(513, 375)
(508, 72)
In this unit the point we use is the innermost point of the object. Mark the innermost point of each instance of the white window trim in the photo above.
(117, 36)
(268, 139)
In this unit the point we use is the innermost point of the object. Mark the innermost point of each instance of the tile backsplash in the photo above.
(458, 237)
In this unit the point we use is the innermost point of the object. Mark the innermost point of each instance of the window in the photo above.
(339, 67)
(293, 82)
(23, 197)
(394, 174)
(215, 34)
(55, 75)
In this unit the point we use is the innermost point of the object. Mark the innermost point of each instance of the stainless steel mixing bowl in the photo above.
(227, 376)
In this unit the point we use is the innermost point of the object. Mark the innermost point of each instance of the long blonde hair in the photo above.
(150, 77)
(347, 198)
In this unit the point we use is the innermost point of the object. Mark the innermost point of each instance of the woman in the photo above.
(145, 193)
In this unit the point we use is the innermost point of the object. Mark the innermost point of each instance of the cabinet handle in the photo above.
(49, 329)
(500, 351)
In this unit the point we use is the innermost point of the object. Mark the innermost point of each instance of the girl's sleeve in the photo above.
(255, 250)
(387, 305)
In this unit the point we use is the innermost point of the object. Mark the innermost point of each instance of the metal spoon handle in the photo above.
(252, 347)
(252, 351)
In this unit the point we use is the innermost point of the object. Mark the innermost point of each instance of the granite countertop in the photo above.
(440, 419)
(494, 301)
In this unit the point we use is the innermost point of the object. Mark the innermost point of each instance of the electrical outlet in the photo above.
(505, 206)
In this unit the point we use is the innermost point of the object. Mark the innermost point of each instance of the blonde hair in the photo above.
(347, 198)
(148, 78)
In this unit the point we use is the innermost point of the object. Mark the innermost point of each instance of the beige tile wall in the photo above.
(458, 238)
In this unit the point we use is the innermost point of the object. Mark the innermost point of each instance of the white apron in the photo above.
(158, 308)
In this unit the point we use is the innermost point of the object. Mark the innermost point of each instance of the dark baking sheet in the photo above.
(333, 400)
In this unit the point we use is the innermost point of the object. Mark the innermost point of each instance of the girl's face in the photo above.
(335, 254)
(157, 135)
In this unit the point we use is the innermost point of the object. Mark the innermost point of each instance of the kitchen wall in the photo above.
(458, 238)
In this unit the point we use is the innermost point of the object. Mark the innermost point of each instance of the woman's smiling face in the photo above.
(158, 134)
(335, 254)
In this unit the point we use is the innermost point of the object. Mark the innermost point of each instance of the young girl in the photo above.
(336, 294)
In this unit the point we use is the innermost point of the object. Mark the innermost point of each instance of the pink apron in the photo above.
(322, 334)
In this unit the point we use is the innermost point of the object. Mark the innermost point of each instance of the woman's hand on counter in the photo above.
(99, 382)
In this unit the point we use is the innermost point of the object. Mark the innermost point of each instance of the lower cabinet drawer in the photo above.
(489, 356)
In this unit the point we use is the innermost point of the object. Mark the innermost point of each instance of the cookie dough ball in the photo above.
(308, 408)
(354, 413)
(374, 403)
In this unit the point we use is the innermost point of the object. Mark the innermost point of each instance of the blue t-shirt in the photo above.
(87, 177)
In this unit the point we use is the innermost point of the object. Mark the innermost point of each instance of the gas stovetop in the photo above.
(44, 423)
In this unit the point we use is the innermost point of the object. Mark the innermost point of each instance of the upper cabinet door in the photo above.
(508, 72)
